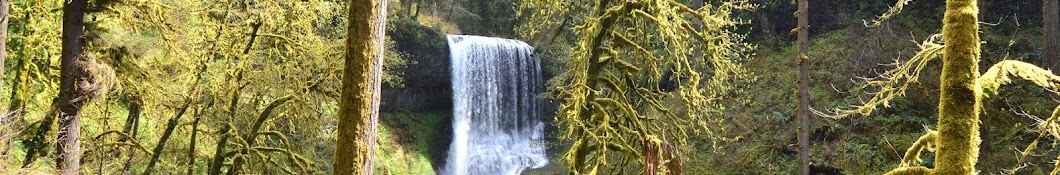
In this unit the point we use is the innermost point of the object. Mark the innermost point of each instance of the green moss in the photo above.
(405, 142)
(924, 143)
(960, 99)
(1002, 73)
(911, 171)
(633, 88)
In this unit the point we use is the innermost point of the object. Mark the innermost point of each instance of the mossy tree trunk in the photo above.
(962, 92)
(359, 102)
(959, 106)
(71, 98)
(804, 86)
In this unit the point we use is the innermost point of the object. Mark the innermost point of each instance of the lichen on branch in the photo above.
(893, 83)
(635, 90)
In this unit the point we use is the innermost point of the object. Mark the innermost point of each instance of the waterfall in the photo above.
(497, 126)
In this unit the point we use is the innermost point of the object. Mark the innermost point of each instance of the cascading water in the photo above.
(497, 124)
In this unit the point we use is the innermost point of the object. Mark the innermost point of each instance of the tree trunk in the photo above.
(219, 152)
(160, 147)
(71, 98)
(132, 125)
(3, 37)
(959, 106)
(252, 136)
(18, 86)
(135, 106)
(1050, 18)
(406, 9)
(804, 86)
(762, 17)
(191, 143)
(238, 161)
(359, 104)
(698, 25)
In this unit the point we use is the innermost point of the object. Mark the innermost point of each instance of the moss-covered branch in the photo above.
(634, 88)
(170, 127)
(1003, 73)
(125, 140)
(893, 83)
(917, 170)
(891, 12)
(252, 136)
(924, 143)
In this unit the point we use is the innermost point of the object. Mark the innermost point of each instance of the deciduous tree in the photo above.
(636, 90)
(359, 102)
(957, 141)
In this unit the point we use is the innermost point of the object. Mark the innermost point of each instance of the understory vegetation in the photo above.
(635, 87)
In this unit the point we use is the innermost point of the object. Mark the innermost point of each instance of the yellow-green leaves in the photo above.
(635, 82)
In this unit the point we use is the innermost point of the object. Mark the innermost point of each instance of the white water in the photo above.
(497, 126)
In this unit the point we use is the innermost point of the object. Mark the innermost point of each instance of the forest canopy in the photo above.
(587, 86)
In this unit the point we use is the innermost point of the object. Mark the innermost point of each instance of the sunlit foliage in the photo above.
(227, 85)
(957, 140)
(635, 89)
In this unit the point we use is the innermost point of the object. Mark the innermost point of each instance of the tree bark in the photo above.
(359, 102)
(238, 162)
(191, 143)
(132, 125)
(1050, 18)
(804, 86)
(219, 152)
(170, 127)
(135, 107)
(3, 37)
(16, 103)
(71, 98)
(959, 106)
(698, 25)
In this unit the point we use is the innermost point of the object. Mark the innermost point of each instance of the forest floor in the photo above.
(407, 141)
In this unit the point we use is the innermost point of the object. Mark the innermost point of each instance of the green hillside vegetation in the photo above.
(634, 87)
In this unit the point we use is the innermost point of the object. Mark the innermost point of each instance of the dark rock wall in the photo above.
(428, 86)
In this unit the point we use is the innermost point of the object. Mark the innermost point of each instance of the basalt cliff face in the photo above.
(428, 83)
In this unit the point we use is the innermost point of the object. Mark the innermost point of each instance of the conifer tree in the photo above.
(71, 97)
(804, 87)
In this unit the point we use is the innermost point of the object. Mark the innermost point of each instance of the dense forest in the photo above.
(529, 87)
